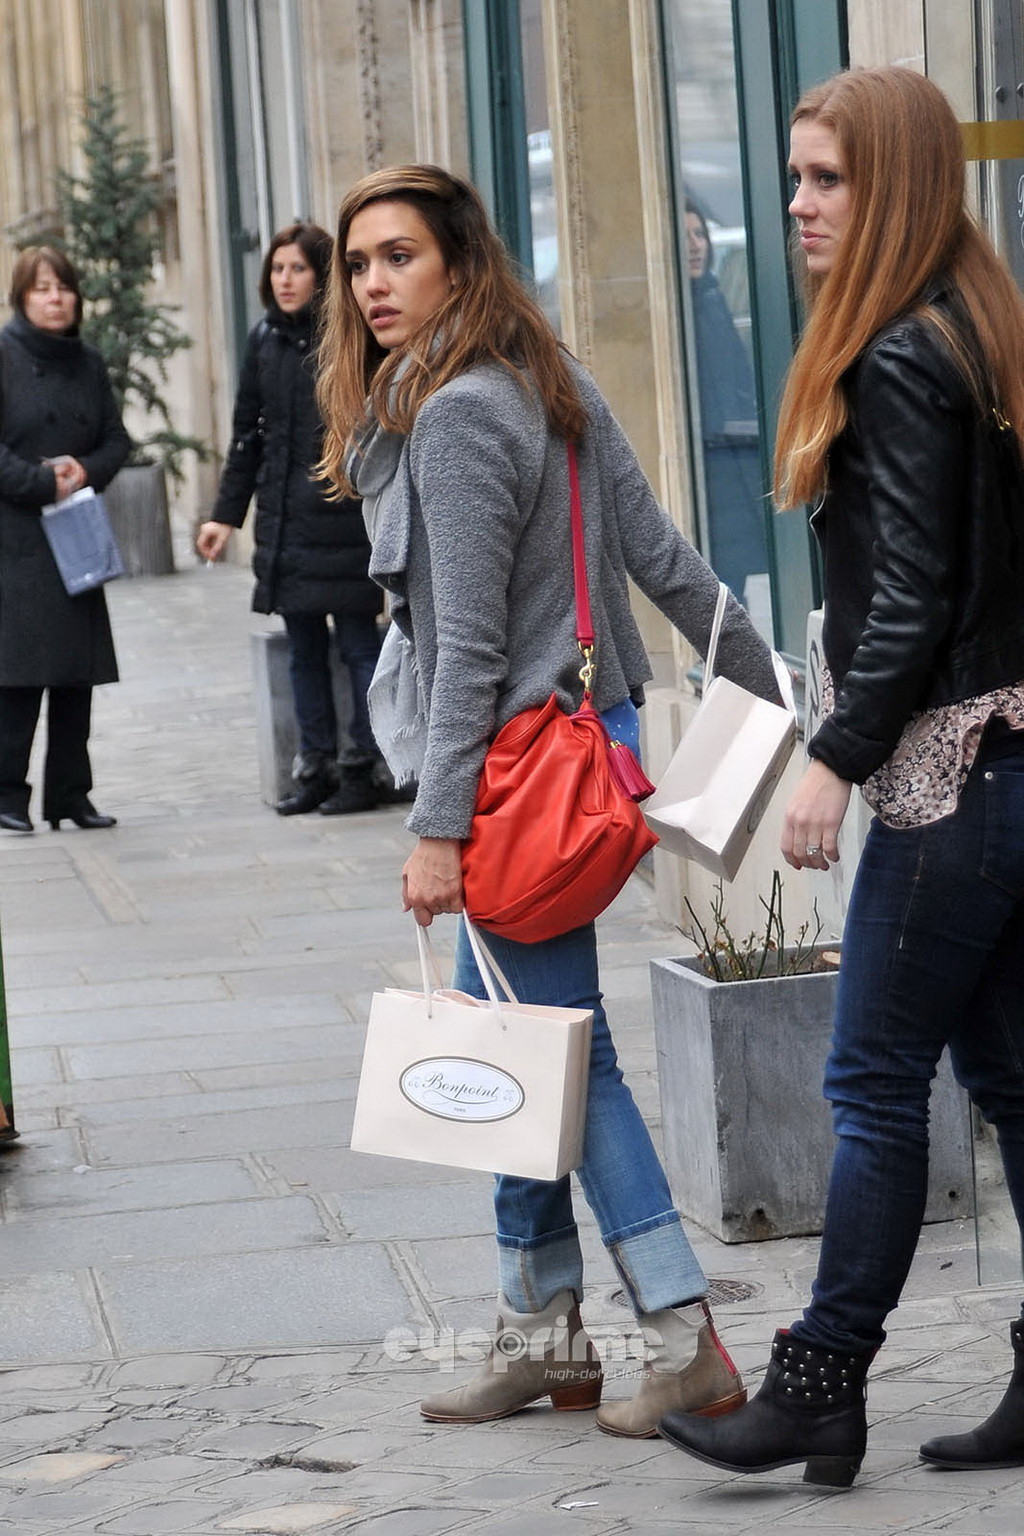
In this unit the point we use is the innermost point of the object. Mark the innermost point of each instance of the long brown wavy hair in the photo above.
(900, 147)
(488, 317)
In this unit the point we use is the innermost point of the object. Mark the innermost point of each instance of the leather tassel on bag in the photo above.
(627, 773)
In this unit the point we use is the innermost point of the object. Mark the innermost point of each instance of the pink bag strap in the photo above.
(584, 620)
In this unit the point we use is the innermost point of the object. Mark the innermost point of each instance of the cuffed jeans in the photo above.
(622, 1179)
(358, 642)
(933, 955)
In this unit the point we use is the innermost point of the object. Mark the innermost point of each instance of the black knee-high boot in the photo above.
(810, 1407)
(999, 1441)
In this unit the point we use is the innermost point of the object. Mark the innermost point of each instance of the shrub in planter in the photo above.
(111, 233)
(742, 1031)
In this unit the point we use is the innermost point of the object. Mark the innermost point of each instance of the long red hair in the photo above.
(901, 149)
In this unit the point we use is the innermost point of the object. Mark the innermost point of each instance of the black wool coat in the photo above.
(311, 554)
(56, 399)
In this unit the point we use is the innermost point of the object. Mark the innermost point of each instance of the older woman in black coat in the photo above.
(60, 429)
(311, 554)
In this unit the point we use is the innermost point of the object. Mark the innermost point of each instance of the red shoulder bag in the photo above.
(557, 830)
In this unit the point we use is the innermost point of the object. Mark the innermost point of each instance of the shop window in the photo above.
(734, 69)
(540, 169)
(510, 134)
(715, 288)
(264, 143)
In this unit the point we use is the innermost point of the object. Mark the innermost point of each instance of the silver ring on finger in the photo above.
(813, 849)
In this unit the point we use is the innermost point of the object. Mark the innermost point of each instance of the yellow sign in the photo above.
(994, 141)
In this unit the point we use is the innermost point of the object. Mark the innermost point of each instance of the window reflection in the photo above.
(713, 256)
(543, 219)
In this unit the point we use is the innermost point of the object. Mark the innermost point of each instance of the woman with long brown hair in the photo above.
(903, 419)
(449, 405)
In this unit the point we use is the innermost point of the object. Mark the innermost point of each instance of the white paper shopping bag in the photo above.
(496, 1085)
(715, 790)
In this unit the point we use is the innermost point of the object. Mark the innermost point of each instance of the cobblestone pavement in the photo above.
(207, 1301)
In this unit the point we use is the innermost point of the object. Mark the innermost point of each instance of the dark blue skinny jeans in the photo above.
(933, 955)
(358, 642)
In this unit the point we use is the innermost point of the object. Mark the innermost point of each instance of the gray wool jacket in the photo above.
(472, 536)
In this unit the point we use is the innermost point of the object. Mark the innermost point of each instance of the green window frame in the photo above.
(780, 47)
(805, 41)
(497, 119)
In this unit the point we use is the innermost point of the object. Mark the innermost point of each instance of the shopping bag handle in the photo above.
(783, 677)
(490, 971)
(430, 971)
(716, 630)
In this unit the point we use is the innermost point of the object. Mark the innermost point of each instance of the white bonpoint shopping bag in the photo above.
(714, 792)
(496, 1085)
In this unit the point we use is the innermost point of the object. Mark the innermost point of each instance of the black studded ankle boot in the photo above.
(999, 1441)
(810, 1407)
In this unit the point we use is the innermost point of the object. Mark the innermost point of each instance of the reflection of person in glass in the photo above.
(728, 417)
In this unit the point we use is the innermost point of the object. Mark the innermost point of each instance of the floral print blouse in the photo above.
(921, 781)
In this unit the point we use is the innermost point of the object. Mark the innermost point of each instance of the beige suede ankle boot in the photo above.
(687, 1370)
(533, 1355)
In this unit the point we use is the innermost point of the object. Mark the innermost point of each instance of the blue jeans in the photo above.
(933, 955)
(358, 642)
(623, 1181)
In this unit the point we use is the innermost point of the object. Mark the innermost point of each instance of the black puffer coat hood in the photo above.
(311, 554)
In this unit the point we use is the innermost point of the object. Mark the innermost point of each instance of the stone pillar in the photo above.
(929, 35)
(893, 33)
(356, 58)
(439, 84)
(206, 388)
(277, 736)
(603, 267)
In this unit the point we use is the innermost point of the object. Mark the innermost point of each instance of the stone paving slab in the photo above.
(172, 1106)
(231, 1133)
(176, 1021)
(52, 1316)
(333, 1169)
(196, 1229)
(252, 1300)
(94, 1190)
(214, 1047)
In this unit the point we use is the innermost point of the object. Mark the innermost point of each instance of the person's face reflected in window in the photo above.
(698, 246)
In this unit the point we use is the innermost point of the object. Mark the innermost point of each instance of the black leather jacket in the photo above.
(922, 533)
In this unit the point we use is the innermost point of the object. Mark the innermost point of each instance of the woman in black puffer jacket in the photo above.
(311, 554)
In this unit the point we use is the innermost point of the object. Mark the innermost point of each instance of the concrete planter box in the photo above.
(277, 735)
(748, 1135)
(136, 499)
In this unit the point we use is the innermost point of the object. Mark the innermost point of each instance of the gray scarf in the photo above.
(378, 466)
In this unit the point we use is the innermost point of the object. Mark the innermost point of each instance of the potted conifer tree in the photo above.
(111, 233)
